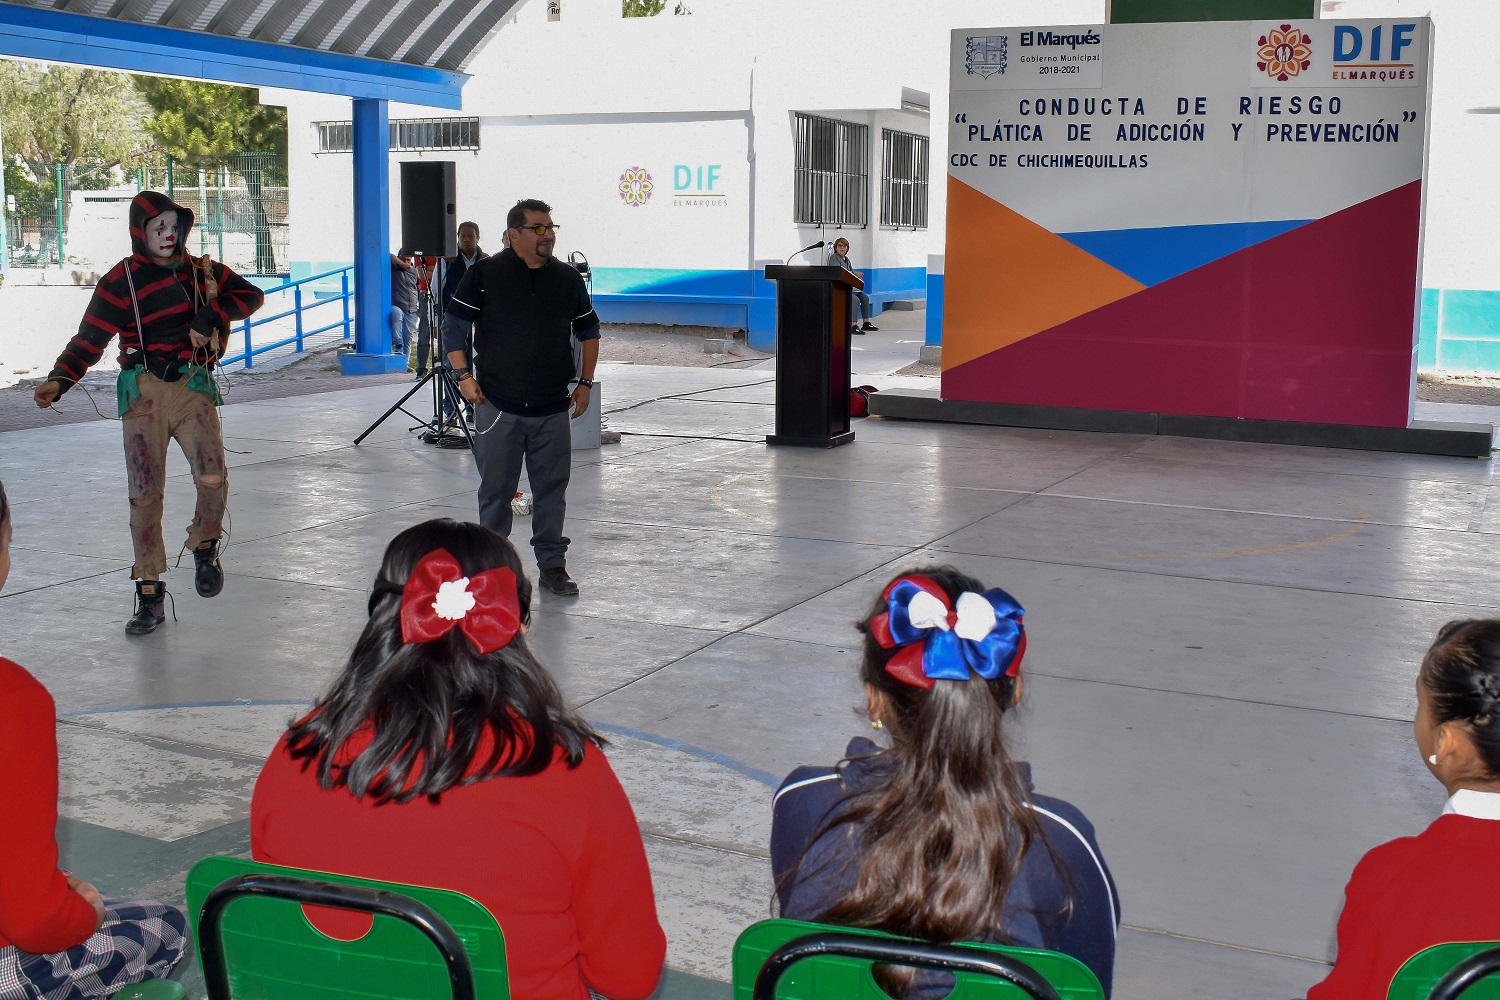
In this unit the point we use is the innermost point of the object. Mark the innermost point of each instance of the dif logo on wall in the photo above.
(693, 186)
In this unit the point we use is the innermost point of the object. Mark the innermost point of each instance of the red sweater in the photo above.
(1413, 893)
(556, 857)
(38, 912)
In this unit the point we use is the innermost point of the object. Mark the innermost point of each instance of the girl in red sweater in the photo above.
(59, 938)
(443, 755)
(1440, 885)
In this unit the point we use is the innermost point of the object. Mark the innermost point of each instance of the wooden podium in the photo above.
(813, 318)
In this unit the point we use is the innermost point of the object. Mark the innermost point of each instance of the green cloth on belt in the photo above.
(127, 388)
(200, 379)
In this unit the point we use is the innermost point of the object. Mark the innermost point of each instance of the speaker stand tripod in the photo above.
(440, 430)
(448, 404)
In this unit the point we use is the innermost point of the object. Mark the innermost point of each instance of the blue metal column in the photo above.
(372, 243)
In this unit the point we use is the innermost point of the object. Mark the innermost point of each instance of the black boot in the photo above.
(149, 609)
(208, 578)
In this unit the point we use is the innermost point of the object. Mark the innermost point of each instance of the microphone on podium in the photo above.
(820, 243)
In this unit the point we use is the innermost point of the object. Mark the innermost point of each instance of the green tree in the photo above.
(650, 8)
(82, 118)
(205, 124)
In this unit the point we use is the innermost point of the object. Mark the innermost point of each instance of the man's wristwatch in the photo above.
(586, 382)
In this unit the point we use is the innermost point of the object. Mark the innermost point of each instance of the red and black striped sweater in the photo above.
(172, 300)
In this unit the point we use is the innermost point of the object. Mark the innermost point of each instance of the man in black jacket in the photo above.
(469, 254)
(525, 308)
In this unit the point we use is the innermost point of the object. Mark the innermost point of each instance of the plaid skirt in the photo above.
(136, 941)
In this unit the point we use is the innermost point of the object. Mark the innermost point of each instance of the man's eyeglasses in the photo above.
(541, 229)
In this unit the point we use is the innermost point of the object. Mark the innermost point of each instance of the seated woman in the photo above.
(59, 938)
(941, 837)
(443, 755)
(1440, 885)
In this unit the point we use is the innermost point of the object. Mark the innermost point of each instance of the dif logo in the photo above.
(1351, 46)
(695, 180)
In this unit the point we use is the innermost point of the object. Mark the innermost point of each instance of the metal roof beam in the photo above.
(106, 43)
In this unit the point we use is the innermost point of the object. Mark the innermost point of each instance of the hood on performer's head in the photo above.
(148, 205)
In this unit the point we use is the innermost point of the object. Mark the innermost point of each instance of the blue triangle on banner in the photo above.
(1151, 256)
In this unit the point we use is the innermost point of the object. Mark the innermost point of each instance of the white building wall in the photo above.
(567, 105)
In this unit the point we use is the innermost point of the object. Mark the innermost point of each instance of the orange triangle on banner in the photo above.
(1006, 278)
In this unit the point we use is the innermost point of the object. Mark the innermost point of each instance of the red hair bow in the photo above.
(438, 596)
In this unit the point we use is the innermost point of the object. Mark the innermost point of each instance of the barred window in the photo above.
(335, 137)
(903, 179)
(832, 179)
(406, 134)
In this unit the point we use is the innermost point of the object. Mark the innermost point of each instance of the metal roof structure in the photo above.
(413, 51)
(440, 34)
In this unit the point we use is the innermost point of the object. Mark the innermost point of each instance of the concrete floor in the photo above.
(1223, 641)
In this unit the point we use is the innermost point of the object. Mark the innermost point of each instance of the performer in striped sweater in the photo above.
(171, 312)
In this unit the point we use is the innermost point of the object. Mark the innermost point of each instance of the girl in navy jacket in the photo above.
(941, 837)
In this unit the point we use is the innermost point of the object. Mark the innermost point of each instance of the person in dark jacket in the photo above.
(524, 308)
(404, 304)
(941, 836)
(469, 254)
(171, 312)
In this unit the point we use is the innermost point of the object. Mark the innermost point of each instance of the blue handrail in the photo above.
(298, 338)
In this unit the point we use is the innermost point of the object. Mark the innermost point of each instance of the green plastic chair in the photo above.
(254, 943)
(151, 989)
(1448, 971)
(793, 960)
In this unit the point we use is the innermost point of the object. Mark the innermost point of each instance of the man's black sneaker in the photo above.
(558, 581)
(870, 328)
(856, 331)
(208, 578)
(149, 609)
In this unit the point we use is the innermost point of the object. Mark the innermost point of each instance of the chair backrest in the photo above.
(824, 962)
(254, 940)
(1448, 971)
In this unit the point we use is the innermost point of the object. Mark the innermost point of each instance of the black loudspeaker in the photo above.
(429, 207)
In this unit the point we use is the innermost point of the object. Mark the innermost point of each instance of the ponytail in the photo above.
(944, 835)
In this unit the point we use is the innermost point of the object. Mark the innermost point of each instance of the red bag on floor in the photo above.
(859, 400)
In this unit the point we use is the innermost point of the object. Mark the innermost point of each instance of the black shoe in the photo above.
(208, 578)
(870, 328)
(856, 331)
(421, 374)
(149, 609)
(558, 581)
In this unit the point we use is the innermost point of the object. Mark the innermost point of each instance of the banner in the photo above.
(1213, 218)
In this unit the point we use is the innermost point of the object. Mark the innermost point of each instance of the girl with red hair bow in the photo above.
(444, 755)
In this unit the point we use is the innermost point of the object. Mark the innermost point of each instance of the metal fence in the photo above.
(832, 176)
(239, 208)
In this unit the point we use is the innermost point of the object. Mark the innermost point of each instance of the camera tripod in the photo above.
(447, 402)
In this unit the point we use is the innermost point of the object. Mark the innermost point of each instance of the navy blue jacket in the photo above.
(1034, 909)
(453, 273)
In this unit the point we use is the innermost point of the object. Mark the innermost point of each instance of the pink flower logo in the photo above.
(636, 187)
(1284, 53)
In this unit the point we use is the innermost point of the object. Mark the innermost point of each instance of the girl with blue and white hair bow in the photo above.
(940, 836)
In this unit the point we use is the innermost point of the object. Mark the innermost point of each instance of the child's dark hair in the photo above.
(428, 705)
(944, 835)
(1462, 673)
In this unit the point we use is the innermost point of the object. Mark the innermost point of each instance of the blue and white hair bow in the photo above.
(941, 640)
